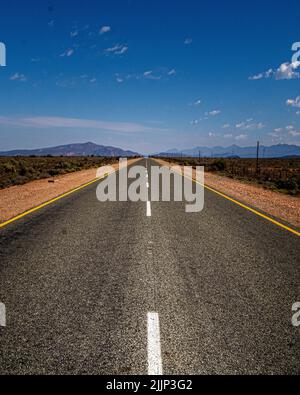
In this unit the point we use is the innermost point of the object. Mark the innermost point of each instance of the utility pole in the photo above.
(257, 159)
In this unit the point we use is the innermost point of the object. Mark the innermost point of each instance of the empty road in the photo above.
(136, 288)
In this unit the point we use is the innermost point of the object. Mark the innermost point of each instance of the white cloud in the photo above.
(250, 125)
(283, 134)
(74, 34)
(228, 136)
(61, 122)
(294, 133)
(119, 78)
(105, 29)
(278, 132)
(286, 71)
(151, 76)
(267, 74)
(18, 77)
(258, 126)
(197, 103)
(226, 126)
(241, 137)
(157, 75)
(63, 81)
(188, 41)
(294, 102)
(213, 113)
(256, 77)
(67, 53)
(172, 72)
(117, 49)
(273, 135)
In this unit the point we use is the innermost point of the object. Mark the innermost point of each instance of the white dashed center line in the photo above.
(149, 214)
(149, 209)
(154, 346)
(2, 315)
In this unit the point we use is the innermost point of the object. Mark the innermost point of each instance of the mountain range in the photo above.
(85, 149)
(274, 151)
(88, 149)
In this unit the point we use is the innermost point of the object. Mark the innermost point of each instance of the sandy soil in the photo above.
(18, 199)
(276, 204)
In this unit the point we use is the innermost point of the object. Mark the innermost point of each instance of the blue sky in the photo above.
(149, 76)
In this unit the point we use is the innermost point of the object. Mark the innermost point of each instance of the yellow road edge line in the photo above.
(4, 224)
(34, 209)
(252, 210)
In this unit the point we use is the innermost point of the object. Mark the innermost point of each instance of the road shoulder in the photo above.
(19, 199)
(277, 205)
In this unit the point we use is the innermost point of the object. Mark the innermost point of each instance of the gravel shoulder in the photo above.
(18, 199)
(276, 204)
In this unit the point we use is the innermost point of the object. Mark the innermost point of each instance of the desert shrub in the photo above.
(9, 168)
(218, 165)
(44, 174)
(54, 172)
(19, 180)
(23, 169)
(63, 165)
(20, 170)
(289, 185)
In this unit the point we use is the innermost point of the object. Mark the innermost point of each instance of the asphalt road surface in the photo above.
(131, 288)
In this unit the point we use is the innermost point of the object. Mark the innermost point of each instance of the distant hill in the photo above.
(234, 151)
(86, 149)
